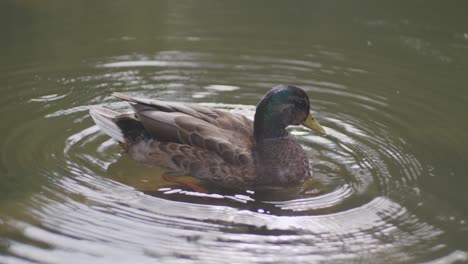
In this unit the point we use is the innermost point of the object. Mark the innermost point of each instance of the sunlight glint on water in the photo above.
(70, 193)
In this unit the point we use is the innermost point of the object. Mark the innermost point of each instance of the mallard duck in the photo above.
(225, 148)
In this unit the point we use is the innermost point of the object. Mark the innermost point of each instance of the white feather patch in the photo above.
(103, 119)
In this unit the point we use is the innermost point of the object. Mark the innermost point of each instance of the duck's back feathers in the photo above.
(220, 119)
(228, 135)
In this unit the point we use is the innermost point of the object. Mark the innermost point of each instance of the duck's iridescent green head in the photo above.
(283, 106)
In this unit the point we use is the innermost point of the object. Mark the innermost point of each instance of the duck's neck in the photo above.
(268, 127)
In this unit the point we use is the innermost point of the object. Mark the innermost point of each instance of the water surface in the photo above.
(387, 81)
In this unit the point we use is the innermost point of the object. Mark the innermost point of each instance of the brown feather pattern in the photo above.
(195, 140)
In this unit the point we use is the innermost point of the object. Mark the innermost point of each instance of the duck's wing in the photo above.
(226, 134)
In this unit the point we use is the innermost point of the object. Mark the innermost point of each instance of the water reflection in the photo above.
(382, 189)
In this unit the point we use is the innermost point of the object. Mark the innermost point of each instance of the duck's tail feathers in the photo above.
(122, 96)
(105, 120)
(125, 128)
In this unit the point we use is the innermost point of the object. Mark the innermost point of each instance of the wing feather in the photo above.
(228, 135)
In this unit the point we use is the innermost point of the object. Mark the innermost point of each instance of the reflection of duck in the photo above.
(225, 148)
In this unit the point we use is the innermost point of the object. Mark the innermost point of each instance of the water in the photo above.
(387, 81)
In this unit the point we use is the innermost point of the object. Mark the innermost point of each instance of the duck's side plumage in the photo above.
(215, 145)
(185, 139)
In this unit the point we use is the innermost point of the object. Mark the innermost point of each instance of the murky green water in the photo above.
(387, 80)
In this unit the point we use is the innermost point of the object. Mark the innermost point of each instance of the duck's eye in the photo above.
(301, 104)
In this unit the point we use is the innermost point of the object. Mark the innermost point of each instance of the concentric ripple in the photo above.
(94, 204)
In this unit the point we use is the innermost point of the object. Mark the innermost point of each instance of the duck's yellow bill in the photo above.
(313, 124)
